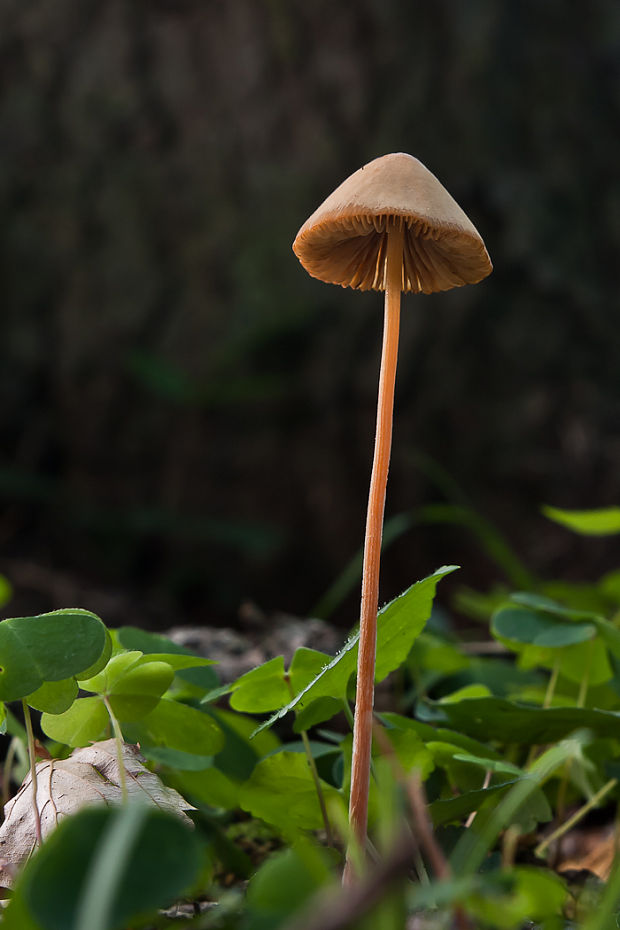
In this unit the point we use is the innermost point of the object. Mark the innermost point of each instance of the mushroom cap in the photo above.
(345, 240)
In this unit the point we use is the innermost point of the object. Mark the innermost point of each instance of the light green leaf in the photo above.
(398, 625)
(603, 522)
(179, 727)
(86, 720)
(411, 752)
(136, 693)
(201, 677)
(178, 662)
(286, 775)
(466, 694)
(268, 687)
(104, 681)
(261, 689)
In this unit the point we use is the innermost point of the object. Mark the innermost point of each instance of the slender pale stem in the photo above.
(33, 771)
(314, 772)
(118, 739)
(362, 730)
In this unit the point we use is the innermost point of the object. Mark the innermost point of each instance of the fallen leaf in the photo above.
(89, 776)
(593, 849)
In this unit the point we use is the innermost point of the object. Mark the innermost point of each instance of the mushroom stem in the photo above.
(362, 730)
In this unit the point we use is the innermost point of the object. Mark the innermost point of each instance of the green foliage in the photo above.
(604, 522)
(286, 775)
(502, 744)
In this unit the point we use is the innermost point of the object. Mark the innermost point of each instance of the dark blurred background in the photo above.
(187, 418)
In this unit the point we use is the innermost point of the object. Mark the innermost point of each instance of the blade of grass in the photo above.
(473, 846)
(108, 868)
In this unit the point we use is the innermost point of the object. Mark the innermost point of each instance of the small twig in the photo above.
(340, 908)
(417, 802)
(424, 827)
(509, 846)
(485, 784)
(577, 816)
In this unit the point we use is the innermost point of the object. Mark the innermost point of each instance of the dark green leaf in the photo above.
(48, 647)
(175, 759)
(131, 637)
(507, 721)
(520, 625)
(55, 697)
(317, 712)
(428, 733)
(453, 810)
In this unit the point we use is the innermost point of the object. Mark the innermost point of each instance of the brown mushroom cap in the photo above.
(344, 241)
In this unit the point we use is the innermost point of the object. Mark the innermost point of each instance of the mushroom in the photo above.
(391, 226)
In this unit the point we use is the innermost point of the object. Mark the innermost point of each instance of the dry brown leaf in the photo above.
(89, 776)
(592, 848)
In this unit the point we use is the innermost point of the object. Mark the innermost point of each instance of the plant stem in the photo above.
(346, 709)
(362, 731)
(118, 736)
(585, 681)
(581, 700)
(314, 773)
(33, 771)
(553, 680)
